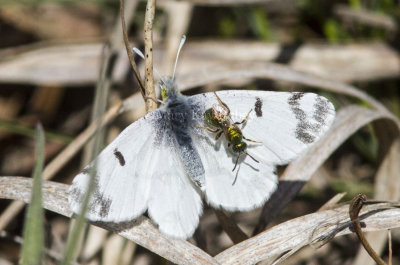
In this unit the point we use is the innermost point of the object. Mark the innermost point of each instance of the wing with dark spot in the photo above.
(120, 157)
(258, 107)
(141, 170)
(285, 123)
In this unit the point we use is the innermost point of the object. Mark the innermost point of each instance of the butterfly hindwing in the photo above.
(285, 124)
(248, 187)
(141, 170)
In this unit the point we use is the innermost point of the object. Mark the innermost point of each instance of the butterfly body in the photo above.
(179, 117)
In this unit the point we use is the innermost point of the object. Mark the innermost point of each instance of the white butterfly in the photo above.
(164, 163)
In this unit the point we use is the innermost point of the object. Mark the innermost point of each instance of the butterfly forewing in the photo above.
(141, 170)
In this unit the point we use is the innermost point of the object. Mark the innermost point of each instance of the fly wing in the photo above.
(141, 170)
(285, 124)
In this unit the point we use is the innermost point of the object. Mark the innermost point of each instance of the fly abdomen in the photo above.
(234, 135)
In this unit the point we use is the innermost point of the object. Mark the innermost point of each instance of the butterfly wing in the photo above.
(248, 187)
(141, 170)
(285, 124)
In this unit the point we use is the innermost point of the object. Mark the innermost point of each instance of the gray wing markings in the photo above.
(175, 123)
(306, 129)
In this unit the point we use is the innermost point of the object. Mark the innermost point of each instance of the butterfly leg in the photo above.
(223, 103)
(155, 100)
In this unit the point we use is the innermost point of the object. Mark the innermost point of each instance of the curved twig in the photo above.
(354, 209)
(129, 49)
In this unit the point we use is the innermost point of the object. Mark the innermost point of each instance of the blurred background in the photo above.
(51, 55)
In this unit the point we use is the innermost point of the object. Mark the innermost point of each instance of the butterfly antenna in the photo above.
(252, 157)
(138, 52)
(183, 39)
(236, 163)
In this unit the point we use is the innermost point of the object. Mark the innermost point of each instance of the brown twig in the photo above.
(129, 49)
(230, 227)
(150, 93)
(390, 247)
(354, 209)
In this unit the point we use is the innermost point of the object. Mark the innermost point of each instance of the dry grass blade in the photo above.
(314, 227)
(366, 17)
(332, 202)
(347, 122)
(275, 72)
(227, 2)
(141, 231)
(31, 66)
(345, 63)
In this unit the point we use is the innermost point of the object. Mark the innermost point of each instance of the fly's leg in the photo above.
(223, 103)
(208, 129)
(219, 134)
(245, 119)
(236, 163)
(251, 140)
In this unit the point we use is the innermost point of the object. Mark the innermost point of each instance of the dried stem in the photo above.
(230, 227)
(354, 209)
(129, 49)
(150, 93)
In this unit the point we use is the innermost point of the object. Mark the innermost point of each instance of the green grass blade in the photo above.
(102, 89)
(14, 127)
(33, 244)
